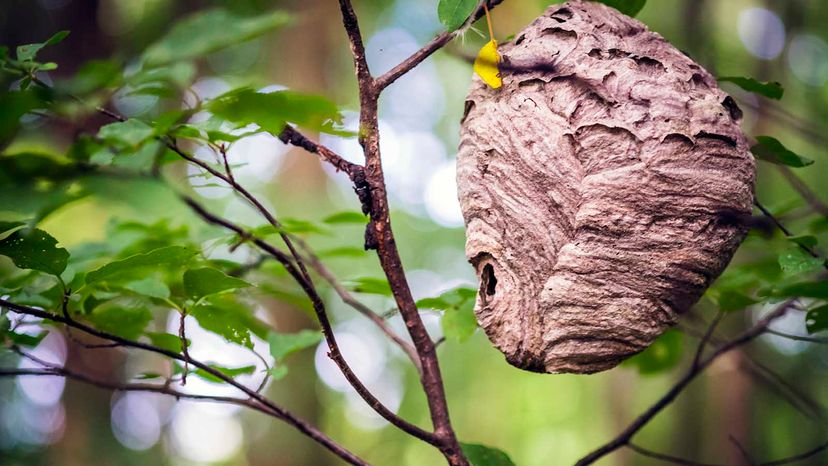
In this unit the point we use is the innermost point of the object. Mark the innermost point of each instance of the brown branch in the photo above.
(706, 337)
(322, 316)
(820, 340)
(623, 438)
(293, 137)
(785, 231)
(685, 462)
(427, 50)
(275, 410)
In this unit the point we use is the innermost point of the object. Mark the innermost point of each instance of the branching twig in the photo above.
(685, 462)
(273, 409)
(623, 438)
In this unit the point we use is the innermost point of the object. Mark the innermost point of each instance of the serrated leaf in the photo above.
(453, 13)
(273, 110)
(662, 354)
(173, 256)
(769, 89)
(228, 371)
(283, 345)
(794, 261)
(628, 7)
(771, 150)
(209, 31)
(125, 317)
(481, 455)
(130, 133)
(229, 319)
(207, 280)
(33, 249)
(816, 320)
(29, 52)
(486, 65)
(346, 217)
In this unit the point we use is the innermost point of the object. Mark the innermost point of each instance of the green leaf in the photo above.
(23, 339)
(771, 90)
(273, 110)
(28, 52)
(207, 280)
(817, 290)
(229, 319)
(209, 31)
(453, 13)
(370, 285)
(628, 7)
(149, 286)
(663, 354)
(91, 77)
(148, 376)
(278, 372)
(15, 105)
(459, 323)
(167, 341)
(171, 256)
(771, 150)
(481, 455)
(125, 317)
(33, 249)
(341, 252)
(131, 133)
(346, 217)
(284, 344)
(816, 319)
(734, 301)
(806, 241)
(228, 371)
(794, 261)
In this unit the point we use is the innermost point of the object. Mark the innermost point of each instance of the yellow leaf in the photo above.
(485, 65)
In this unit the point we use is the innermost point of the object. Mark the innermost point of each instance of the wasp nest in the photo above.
(604, 187)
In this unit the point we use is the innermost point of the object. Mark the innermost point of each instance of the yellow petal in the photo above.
(485, 65)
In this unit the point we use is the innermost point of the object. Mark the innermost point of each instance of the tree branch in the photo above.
(321, 314)
(623, 438)
(685, 462)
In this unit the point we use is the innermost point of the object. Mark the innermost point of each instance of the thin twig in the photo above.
(686, 462)
(706, 337)
(274, 409)
(820, 340)
(785, 231)
(623, 438)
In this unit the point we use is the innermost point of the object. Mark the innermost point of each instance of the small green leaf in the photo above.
(771, 90)
(730, 301)
(148, 376)
(28, 52)
(131, 133)
(233, 321)
(628, 7)
(207, 280)
(771, 150)
(15, 105)
(172, 256)
(228, 371)
(453, 13)
(91, 77)
(149, 286)
(459, 323)
(167, 341)
(32, 249)
(346, 217)
(663, 354)
(817, 290)
(806, 241)
(481, 455)
(209, 31)
(816, 319)
(273, 110)
(23, 339)
(283, 345)
(279, 372)
(125, 317)
(794, 261)
(370, 285)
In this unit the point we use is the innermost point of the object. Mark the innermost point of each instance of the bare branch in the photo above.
(291, 136)
(275, 410)
(321, 314)
(685, 462)
(820, 340)
(785, 230)
(427, 50)
(707, 335)
(623, 438)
